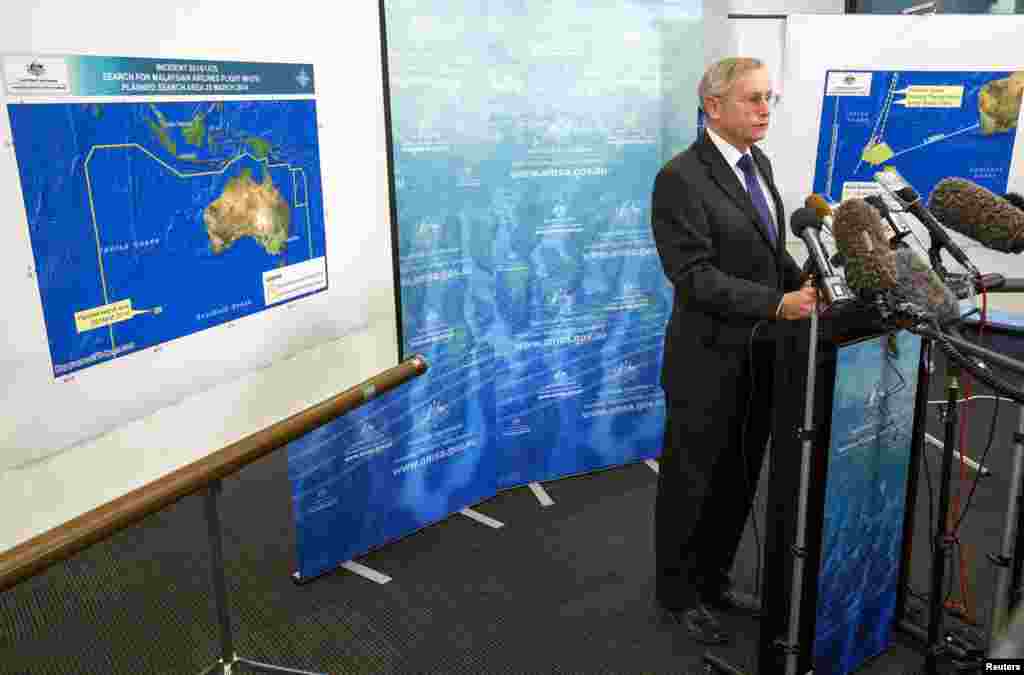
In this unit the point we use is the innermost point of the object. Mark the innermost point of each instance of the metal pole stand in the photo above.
(936, 646)
(792, 644)
(228, 658)
(1007, 588)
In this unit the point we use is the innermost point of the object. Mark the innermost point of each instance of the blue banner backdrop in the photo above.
(525, 137)
(396, 464)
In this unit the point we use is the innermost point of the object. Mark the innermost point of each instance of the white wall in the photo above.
(785, 6)
(344, 47)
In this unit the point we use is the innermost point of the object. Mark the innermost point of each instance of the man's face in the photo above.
(741, 115)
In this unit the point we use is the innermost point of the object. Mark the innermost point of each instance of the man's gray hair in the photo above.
(721, 75)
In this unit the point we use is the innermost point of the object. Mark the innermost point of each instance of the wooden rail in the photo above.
(39, 553)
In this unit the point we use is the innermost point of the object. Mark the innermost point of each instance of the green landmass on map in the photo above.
(248, 209)
(162, 136)
(999, 103)
(195, 131)
(260, 147)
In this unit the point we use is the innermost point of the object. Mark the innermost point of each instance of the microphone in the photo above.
(894, 184)
(824, 211)
(861, 240)
(806, 225)
(901, 231)
(920, 292)
(1015, 199)
(899, 281)
(975, 212)
(821, 209)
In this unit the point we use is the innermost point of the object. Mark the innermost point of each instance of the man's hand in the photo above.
(798, 305)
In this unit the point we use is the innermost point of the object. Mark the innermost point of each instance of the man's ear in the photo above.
(712, 107)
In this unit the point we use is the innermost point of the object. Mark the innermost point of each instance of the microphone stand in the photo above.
(1007, 593)
(935, 646)
(1009, 561)
(791, 646)
(1006, 590)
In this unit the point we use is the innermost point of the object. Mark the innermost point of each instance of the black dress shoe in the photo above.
(700, 623)
(730, 600)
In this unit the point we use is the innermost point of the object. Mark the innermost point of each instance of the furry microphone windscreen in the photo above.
(977, 213)
(861, 239)
(1016, 199)
(921, 288)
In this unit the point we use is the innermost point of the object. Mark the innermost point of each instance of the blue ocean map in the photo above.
(928, 125)
(153, 221)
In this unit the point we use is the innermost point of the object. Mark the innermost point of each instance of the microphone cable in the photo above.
(752, 488)
(964, 606)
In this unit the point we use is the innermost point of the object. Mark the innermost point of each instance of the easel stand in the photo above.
(228, 659)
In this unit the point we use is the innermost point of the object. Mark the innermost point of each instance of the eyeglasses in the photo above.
(770, 98)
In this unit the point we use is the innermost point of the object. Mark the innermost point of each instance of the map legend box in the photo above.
(290, 282)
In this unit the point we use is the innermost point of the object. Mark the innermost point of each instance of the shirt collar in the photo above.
(730, 153)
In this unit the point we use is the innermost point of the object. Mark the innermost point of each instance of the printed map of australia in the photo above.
(152, 221)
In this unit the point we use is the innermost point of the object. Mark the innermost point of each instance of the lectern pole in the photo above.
(799, 546)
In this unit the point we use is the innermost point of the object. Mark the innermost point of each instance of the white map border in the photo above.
(46, 415)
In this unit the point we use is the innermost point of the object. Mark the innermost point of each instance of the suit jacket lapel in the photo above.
(726, 178)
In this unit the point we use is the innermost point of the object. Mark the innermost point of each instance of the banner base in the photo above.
(541, 494)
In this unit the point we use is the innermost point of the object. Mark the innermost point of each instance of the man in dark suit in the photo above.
(719, 226)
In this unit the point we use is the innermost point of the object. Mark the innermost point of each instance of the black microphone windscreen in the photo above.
(861, 239)
(977, 213)
(1016, 199)
(803, 218)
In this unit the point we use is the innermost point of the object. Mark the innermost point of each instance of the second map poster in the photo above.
(928, 125)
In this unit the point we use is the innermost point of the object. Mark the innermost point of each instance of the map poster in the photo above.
(395, 464)
(928, 125)
(167, 234)
(150, 221)
(865, 500)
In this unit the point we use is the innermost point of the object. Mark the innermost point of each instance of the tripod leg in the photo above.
(935, 644)
(1007, 590)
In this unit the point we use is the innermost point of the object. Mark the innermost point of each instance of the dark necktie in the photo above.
(746, 165)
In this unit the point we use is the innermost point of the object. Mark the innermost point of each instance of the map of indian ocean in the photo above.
(153, 221)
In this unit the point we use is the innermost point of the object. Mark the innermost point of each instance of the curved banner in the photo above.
(524, 141)
(395, 464)
(524, 146)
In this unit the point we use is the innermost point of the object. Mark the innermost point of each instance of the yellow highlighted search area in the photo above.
(933, 96)
(877, 153)
(104, 315)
